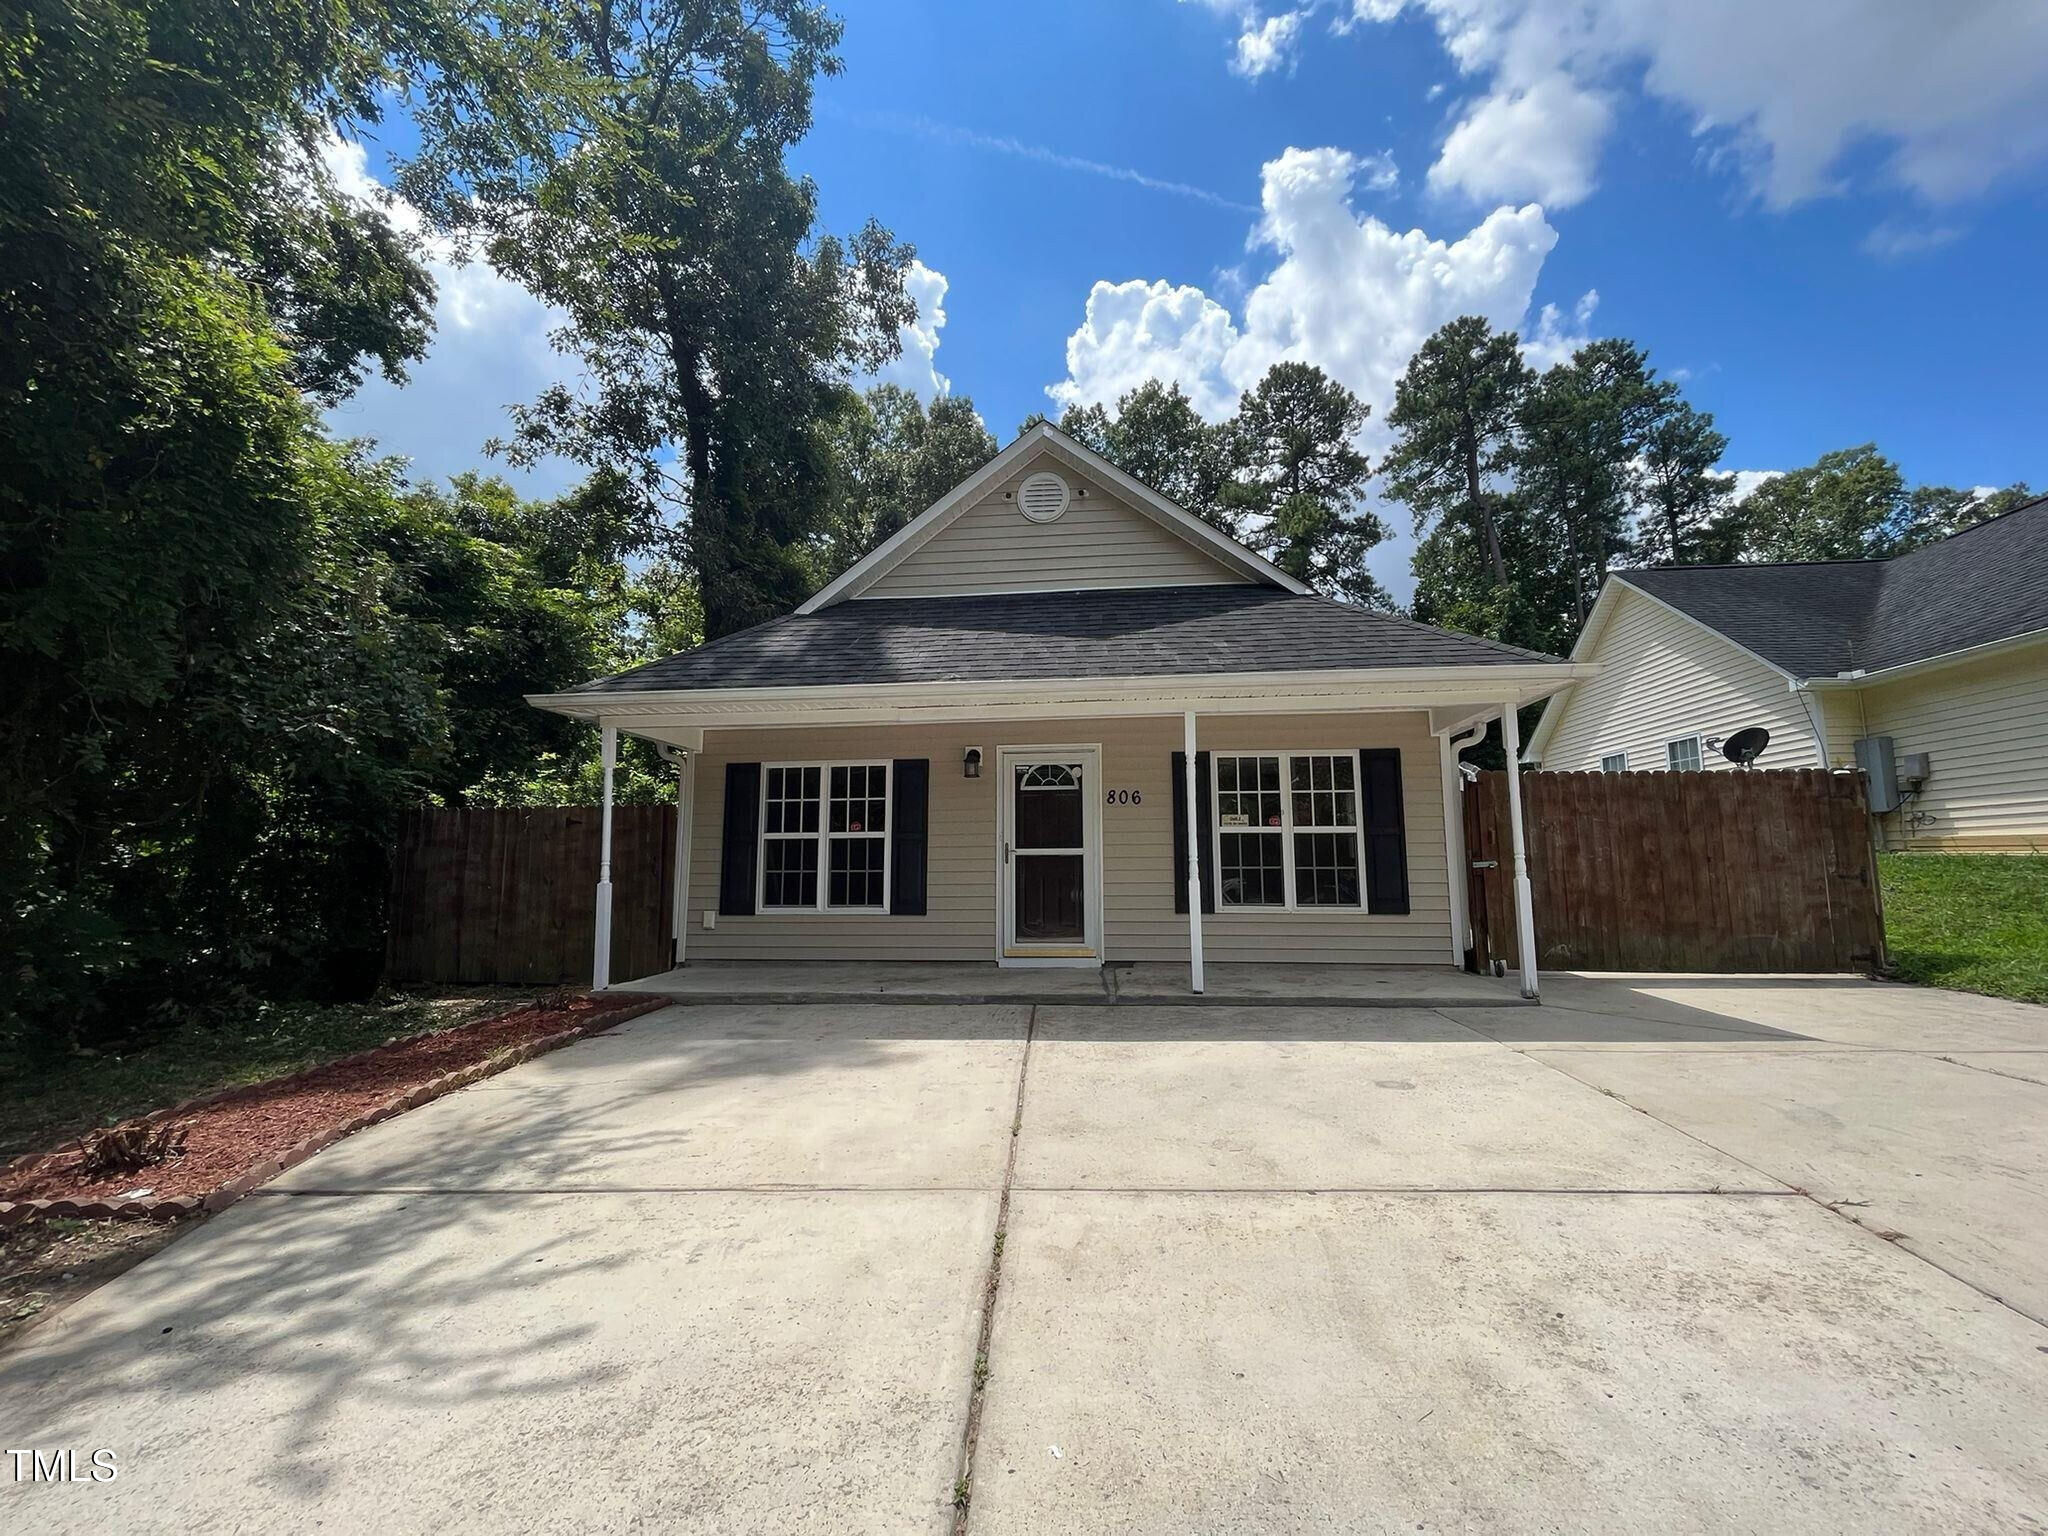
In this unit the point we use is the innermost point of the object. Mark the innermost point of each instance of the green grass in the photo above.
(1977, 922)
(45, 1099)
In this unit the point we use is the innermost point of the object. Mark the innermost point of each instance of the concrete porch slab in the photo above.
(1157, 985)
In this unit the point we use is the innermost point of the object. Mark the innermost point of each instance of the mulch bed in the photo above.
(245, 1136)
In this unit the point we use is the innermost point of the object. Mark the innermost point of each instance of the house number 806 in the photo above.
(1125, 797)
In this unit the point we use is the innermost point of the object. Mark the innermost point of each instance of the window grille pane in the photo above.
(1683, 754)
(1614, 762)
(789, 872)
(855, 873)
(860, 798)
(1325, 790)
(1248, 791)
(1253, 874)
(1325, 869)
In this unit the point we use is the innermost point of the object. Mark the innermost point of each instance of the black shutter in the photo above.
(1203, 817)
(909, 815)
(1386, 831)
(740, 850)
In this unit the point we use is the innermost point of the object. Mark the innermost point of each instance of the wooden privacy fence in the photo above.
(1708, 871)
(510, 896)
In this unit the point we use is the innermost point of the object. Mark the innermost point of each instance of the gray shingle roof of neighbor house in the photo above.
(1976, 587)
(1008, 637)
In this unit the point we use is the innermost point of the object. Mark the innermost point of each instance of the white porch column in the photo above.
(1454, 851)
(686, 813)
(1194, 861)
(1525, 916)
(601, 964)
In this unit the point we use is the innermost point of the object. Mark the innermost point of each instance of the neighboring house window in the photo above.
(1287, 830)
(1683, 754)
(1614, 762)
(824, 837)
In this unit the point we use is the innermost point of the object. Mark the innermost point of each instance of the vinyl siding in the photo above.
(1985, 727)
(1139, 922)
(1099, 541)
(1664, 676)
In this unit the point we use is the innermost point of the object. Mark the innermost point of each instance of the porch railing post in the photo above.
(1525, 916)
(1194, 861)
(601, 963)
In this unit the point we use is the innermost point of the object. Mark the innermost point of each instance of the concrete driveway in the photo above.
(1678, 1255)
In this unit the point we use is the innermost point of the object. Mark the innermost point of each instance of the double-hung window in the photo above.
(1614, 762)
(1287, 830)
(825, 837)
(1683, 754)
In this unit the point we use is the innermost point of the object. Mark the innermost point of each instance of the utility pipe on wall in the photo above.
(1454, 742)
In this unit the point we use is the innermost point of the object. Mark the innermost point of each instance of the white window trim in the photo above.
(824, 838)
(1699, 747)
(1287, 829)
(1604, 756)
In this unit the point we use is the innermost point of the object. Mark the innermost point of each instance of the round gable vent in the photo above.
(1042, 497)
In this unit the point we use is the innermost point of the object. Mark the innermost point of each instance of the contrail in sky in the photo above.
(948, 133)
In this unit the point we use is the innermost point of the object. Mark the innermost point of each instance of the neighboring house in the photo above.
(975, 746)
(1942, 652)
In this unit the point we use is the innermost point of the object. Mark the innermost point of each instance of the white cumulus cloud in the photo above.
(1542, 143)
(1948, 95)
(916, 366)
(1345, 291)
(489, 350)
(1267, 45)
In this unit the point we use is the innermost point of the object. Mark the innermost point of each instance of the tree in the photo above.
(640, 186)
(1454, 413)
(1936, 511)
(891, 459)
(1580, 430)
(1301, 478)
(1682, 495)
(1156, 437)
(1847, 505)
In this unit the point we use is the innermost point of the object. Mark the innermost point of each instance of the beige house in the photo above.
(1059, 721)
(1928, 671)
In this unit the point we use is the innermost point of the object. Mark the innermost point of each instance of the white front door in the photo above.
(1049, 894)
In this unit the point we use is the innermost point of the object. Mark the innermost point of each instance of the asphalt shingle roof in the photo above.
(1985, 584)
(1135, 632)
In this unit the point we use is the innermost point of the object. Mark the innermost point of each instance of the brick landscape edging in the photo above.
(171, 1207)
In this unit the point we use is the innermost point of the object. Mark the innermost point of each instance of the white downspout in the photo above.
(601, 964)
(1455, 857)
(1194, 861)
(686, 810)
(1525, 916)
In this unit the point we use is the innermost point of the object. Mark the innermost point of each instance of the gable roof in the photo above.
(1977, 587)
(1042, 439)
(1097, 633)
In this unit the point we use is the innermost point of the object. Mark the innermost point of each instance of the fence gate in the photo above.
(1712, 871)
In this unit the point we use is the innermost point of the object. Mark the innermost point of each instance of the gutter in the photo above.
(1859, 678)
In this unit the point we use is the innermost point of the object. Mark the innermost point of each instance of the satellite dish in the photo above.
(1746, 746)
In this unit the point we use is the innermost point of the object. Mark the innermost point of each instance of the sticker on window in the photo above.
(1228, 820)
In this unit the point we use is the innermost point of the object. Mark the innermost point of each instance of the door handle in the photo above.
(1006, 853)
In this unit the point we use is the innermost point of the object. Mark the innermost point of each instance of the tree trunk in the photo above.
(1489, 530)
(1671, 528)
(1571, 554)
(711, 534)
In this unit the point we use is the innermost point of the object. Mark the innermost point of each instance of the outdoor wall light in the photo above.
(970, 763)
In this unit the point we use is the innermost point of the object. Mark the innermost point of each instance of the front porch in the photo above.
(907, 983)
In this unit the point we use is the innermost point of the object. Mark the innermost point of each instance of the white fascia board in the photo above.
(936, 518)
(1251, 692)
(1905, 669)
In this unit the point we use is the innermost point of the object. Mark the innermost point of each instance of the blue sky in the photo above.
(1825, 217)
